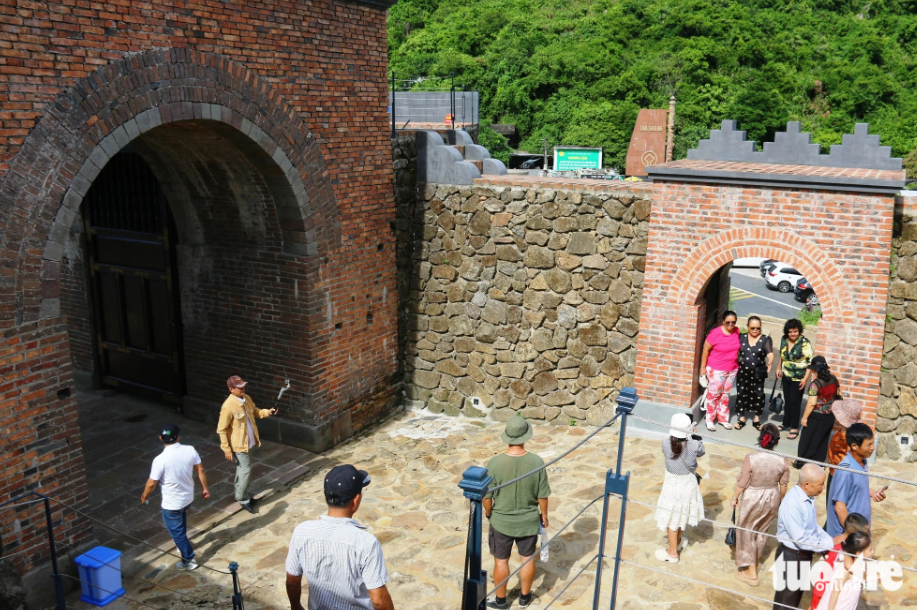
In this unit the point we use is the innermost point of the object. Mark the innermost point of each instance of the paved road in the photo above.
(752, 296)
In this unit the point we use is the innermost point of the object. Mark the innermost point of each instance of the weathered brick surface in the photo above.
(299, 91)
(40, 440)
(839, 241)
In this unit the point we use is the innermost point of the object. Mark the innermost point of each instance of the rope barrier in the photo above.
(745, 529)
(572, 580)
(95, 586)
(125, 534)
(723, 441)
(546, 544)
(558, 458)
(706, 584)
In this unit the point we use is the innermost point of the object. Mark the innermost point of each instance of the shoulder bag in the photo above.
(776, 402)
(731, 533)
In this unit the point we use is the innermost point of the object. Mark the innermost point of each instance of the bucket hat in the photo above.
(679, 420)
(518, 431)
(847, 412)
(819, 364)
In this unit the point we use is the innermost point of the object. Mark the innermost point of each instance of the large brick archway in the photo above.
(105, 112)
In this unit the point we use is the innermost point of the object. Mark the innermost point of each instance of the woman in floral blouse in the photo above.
(793, 367)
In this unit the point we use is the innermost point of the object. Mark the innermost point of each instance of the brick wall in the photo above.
(839, 241)
(75, 301)
(40, 443)
(304, 85)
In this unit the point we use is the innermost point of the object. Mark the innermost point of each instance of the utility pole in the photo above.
(670, 135)
(545, 166)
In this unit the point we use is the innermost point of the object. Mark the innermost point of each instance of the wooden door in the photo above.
(133, 280)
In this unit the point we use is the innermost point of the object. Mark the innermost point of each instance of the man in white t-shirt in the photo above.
(174, 469)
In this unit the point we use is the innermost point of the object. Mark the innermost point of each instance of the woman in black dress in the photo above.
(756, 355)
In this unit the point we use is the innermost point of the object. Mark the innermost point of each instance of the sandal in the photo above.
(792, 435)
(756, 425)
(782, 428)
(740, 424)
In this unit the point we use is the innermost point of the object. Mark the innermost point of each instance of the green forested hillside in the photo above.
(577, 71)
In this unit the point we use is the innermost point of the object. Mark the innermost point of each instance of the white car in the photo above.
(752, 261)
(782, 277)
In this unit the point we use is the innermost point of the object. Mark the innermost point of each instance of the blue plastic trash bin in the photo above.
(100, 576)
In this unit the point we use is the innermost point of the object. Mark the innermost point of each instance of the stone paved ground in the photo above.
(416, 510)
(120, 439)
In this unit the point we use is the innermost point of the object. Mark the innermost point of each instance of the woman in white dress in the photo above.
(680, 503)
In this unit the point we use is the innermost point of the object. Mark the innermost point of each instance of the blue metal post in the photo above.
(237, 603)
(615, 483)
(475, 482)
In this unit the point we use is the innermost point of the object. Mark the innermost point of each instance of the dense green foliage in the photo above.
(577, 71)
(495, 143)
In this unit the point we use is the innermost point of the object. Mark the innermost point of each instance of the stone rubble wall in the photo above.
(897, 413)
(520, 299)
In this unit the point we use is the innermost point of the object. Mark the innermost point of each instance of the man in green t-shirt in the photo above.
(517, 511)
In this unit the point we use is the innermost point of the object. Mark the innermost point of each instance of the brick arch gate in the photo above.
(836, 230)
(151, 101)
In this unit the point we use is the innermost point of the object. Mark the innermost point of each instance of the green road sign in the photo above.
(571, 158)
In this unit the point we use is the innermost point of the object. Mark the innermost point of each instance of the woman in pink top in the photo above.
(720, 361)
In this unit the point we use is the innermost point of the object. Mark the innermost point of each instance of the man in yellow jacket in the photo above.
(239, 434)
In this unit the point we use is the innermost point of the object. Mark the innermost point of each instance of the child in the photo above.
(847, 583)
(855, 523)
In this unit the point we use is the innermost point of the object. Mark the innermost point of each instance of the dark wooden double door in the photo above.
(133, 280)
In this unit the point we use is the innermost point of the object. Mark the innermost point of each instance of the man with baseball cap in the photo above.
(516, 512)
(341, 561)
(173, 469)
(239, 435)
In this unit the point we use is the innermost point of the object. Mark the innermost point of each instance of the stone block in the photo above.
(559, 281)
(559, 398)
(426, 379)
(593, 334)
(581, 243)
(544, 383)
(537, 257)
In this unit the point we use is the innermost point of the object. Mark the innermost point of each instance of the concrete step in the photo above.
(479, 165)
(460, 148)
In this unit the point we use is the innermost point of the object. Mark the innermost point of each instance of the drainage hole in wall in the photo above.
(63, 394)
(339, 325)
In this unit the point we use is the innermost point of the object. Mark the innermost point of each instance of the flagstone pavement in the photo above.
(416, 510)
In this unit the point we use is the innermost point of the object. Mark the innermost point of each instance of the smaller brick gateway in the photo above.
(828, 215)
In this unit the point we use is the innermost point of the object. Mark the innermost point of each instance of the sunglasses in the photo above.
(754, 328)
(729, 323)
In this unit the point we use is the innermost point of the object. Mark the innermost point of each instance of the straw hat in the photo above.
(847, 412)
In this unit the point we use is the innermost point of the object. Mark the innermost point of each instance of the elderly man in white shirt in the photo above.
(799, 534)
(173, 469)
(341, 561)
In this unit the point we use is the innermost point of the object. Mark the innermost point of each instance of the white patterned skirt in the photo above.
(680, 502)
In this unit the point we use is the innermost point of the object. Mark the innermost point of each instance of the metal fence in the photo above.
(423, 100)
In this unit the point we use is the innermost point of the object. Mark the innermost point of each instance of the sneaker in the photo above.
(248, 506)
(726, 425)
(525, 600)
(663, 555)
(186, 565)
(497, 602)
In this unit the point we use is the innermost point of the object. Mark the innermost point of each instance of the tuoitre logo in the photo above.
(803, 576)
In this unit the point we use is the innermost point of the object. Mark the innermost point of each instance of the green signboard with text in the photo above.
(572, 158)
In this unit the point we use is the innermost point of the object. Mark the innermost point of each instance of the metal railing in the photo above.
(445, 100)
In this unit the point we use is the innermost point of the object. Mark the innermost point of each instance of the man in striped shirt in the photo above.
(341, 561)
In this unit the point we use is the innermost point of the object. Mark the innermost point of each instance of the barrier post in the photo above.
(236, 593)
(475, 482)
(615, 483)
(58, 579)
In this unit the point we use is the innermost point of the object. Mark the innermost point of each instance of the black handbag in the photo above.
(731, 533)
(776, 403)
